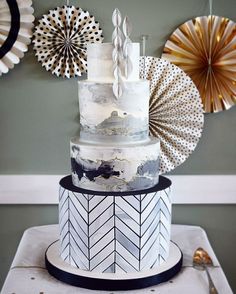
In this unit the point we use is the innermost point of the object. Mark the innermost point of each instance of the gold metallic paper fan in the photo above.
(205, 48)
(61, 38)
(175, 111)
(16, 23)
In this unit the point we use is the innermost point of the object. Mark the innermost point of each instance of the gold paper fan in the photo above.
(205, 48)
(175, 111)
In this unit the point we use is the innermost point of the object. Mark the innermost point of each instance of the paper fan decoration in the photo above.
(175, 111)
(61, 38)
(16, 23)
(204, 48)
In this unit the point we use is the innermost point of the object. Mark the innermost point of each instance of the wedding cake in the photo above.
(114, 211)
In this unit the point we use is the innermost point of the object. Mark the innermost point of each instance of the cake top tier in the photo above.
(115, 62)
(101, 65)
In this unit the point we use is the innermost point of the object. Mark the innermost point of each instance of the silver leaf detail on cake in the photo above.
(116, 120)
(110, 168)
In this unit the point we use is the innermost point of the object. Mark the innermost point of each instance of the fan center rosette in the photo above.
(61, 38)
(175, 111)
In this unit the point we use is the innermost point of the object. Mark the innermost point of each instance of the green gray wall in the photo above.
(39, 114)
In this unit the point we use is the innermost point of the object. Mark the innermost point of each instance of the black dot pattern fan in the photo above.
(175, 111)
(61, 38)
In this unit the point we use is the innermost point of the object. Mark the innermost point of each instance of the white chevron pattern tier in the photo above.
(115, 233)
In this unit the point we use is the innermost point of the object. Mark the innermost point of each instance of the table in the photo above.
(28, 274)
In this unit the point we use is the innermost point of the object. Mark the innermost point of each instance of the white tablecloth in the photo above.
(29, 276)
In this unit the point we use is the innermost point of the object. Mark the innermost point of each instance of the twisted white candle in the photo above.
(144, 39)
(127, 47)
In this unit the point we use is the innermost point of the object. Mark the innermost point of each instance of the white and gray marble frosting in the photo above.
(113, 152)
(104, 118)
(115, 168)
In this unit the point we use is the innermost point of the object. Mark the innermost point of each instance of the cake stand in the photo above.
(66, 273)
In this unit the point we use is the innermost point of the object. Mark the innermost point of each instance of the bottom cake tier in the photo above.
(111, 232)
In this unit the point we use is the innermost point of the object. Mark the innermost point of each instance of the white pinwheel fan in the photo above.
(175, 112)
(16, 23)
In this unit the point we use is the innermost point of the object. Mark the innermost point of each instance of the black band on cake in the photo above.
(163, 184)
(113, 284)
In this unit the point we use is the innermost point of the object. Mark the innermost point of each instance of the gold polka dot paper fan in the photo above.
(205, 48)
(175, 111)
(61, 38)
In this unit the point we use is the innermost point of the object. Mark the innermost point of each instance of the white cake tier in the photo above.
(106, 167)
(115, 232)
(100, 62)
(104, 118)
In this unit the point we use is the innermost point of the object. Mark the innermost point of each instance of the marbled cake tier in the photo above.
(115, 232)
(100, 64)
(104, 118)
(106, 167)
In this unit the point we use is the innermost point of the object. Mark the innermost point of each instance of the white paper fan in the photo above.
(175, 112)
(61, 38)
(16, 23)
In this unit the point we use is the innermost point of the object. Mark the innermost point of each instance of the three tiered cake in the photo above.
(114, 151)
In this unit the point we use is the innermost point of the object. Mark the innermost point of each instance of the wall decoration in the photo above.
(61, 38)
(176, 114)
(16, 23)
(204, 48)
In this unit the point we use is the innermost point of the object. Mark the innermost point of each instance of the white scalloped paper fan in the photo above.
(175, 112)
(16, 23)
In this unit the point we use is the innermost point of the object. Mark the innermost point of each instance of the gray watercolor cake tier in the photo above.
(100, 64)
(114, 232)
(103, 167)
(103, 117)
